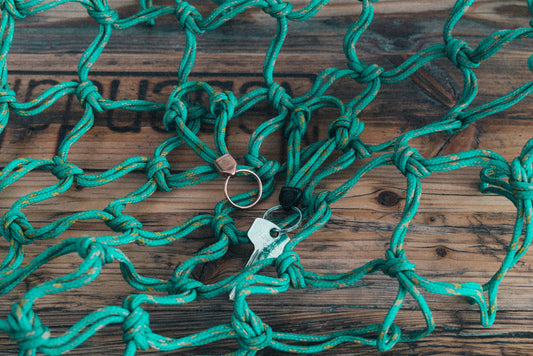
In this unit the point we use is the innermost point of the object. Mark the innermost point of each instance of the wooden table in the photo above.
(458, 233)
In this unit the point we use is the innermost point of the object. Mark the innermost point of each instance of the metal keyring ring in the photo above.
(259, 183)
(287, 229)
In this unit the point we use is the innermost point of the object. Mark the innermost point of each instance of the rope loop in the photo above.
(88, 95)
(121, 222)
(278, 97)
(388, 338)
(409, 161)
(278, 8)
(15, 226)
(136, 328)
(459, 52)
(223, 103)
(288, 263)
(158, 170)
(106, 16)
(251, 337)
(26, 330)
(397, 263)
(63, 170)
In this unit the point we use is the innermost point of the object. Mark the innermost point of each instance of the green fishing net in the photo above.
(303, 169)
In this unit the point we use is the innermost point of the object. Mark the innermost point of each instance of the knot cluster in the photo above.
(158, 171)
(136, 329)
(25, 328)
(397, 264)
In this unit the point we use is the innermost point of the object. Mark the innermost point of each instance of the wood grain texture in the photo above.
(458, 234)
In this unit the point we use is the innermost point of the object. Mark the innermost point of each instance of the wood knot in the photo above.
(388, 198)
(441, 251)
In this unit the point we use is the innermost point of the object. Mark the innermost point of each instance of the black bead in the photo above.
(289, 197)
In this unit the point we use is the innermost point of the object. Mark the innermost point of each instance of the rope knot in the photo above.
(223, 224)
(278, 9)
(319, 201)
(278, 97)
(26, 330)
(88, 94)
(107, 16)
(88, 247)
(345, 130)
(15, 226)
(175, 114)
(298, 121)
(136, 328)
(252, 334)
(223, 103)
(368, 74)
(460, 53)
(158, 170)
(7, 95)
(120, 222)
(289, 263)
(519, 171)
(177, 285)
(11, 7)
(63, 170)
(264, 168)
(188, 16)
(268, 170)
(361, 149)
(409, 161)
(397, 264)
(521, 179)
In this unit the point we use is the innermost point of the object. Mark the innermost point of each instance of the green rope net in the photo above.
(304, 168)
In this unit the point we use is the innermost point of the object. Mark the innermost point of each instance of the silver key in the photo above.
(265, 246)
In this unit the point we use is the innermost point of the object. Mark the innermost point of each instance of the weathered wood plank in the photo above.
(458, 234)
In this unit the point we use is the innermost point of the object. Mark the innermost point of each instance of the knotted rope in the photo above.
(304, 169)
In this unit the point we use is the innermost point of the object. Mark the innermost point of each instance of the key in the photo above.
(265, 246)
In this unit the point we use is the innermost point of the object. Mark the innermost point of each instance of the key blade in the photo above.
(252, 258)
(265, 245)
